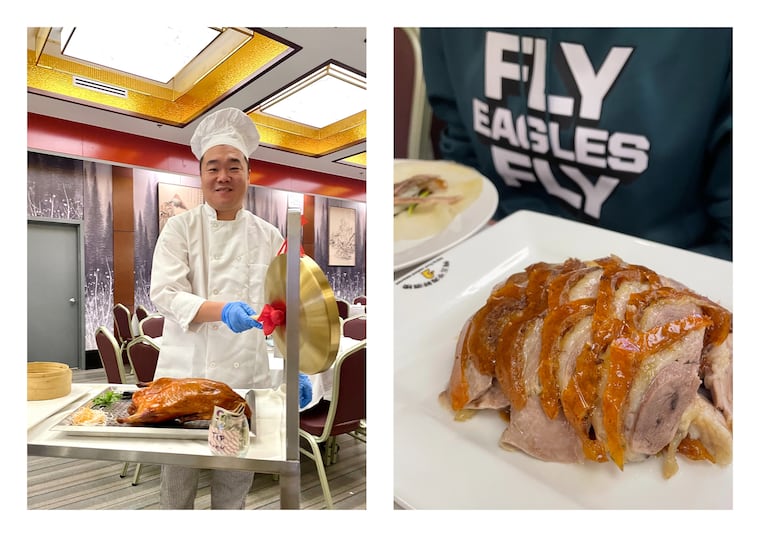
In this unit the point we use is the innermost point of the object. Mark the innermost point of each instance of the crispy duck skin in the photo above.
(600, 358)
(180, 399)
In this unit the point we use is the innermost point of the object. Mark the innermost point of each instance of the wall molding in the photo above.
(67, 138)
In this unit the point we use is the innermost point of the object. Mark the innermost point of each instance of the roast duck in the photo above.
(180, 399)
(599, 360)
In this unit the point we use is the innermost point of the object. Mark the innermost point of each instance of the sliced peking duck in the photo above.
(599, 360)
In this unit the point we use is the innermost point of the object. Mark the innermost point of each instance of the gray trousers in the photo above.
(179, 485)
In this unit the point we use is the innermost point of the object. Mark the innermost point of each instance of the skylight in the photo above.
(322, 98)
(133, 50)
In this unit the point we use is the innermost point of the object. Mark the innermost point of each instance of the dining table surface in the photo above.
(45, 437)
(49, 434)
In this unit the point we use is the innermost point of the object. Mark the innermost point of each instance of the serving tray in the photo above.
(197, 430)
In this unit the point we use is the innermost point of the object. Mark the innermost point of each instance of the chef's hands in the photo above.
(304, 390)
(237, 316)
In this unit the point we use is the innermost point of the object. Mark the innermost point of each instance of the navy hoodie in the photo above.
(628, 129)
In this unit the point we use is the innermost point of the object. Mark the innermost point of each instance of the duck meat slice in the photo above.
(718, 367)
(530, 429)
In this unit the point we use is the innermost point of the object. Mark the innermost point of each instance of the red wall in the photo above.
(58, 136)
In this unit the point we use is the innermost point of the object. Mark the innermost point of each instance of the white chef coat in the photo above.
(198, 258)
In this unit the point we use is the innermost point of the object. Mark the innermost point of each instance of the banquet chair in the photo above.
(109, 351)
(142, 352)
(342, 308)
(361, 300)
(110, 354)
(355, 327)
(343, 414)
(152, 325)
(413, 114)
(141, 312)
(123, 332)
(123, 321)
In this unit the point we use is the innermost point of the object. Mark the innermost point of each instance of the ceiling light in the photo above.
(322, 98)
(154, 53)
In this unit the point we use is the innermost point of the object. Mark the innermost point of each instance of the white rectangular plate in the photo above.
(443, 464)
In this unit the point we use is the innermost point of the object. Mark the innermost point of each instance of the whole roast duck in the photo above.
(599, 360)
(180, 399)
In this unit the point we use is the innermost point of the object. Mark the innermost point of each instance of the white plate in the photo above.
(442, 464)
(473, 218)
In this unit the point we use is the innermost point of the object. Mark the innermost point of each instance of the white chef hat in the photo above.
(229, 126)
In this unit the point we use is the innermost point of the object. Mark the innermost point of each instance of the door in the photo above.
(54, 303)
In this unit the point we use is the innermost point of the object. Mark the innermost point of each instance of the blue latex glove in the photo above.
(237, 315)
(304, 390)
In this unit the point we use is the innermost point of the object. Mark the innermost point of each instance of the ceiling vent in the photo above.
(94, 85)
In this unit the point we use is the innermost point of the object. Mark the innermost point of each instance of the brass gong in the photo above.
(319, 322)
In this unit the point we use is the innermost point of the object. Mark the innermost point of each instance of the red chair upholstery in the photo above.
(141, 312)
(361, 300)
(143, 355)
(355, 327)
(123, 321)
(110, 352)
(123, 329)
(152, 325)
(345, 413)
(342, 308)
(411, 112)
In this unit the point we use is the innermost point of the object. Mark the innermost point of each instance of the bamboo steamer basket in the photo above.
(47, 380)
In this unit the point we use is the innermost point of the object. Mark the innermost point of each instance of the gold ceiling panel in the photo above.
(57, 71)
(53, 75)
(50, 73)
(307, 140)
(360, 159)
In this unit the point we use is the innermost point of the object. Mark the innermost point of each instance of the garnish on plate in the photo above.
(89, 416)
(106, 399)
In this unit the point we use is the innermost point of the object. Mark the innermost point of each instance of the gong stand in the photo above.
(291, 480)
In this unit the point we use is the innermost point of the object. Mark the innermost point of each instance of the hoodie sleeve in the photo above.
(455, 143)
(718, 182)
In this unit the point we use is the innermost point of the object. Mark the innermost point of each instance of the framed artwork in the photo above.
(175, 199)
(341, 230)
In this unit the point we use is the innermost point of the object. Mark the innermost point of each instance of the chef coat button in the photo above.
(215, 327)
(236, 365)
(216, 291)
(212, 364)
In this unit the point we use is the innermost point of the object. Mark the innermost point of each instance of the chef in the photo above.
(209, 268)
